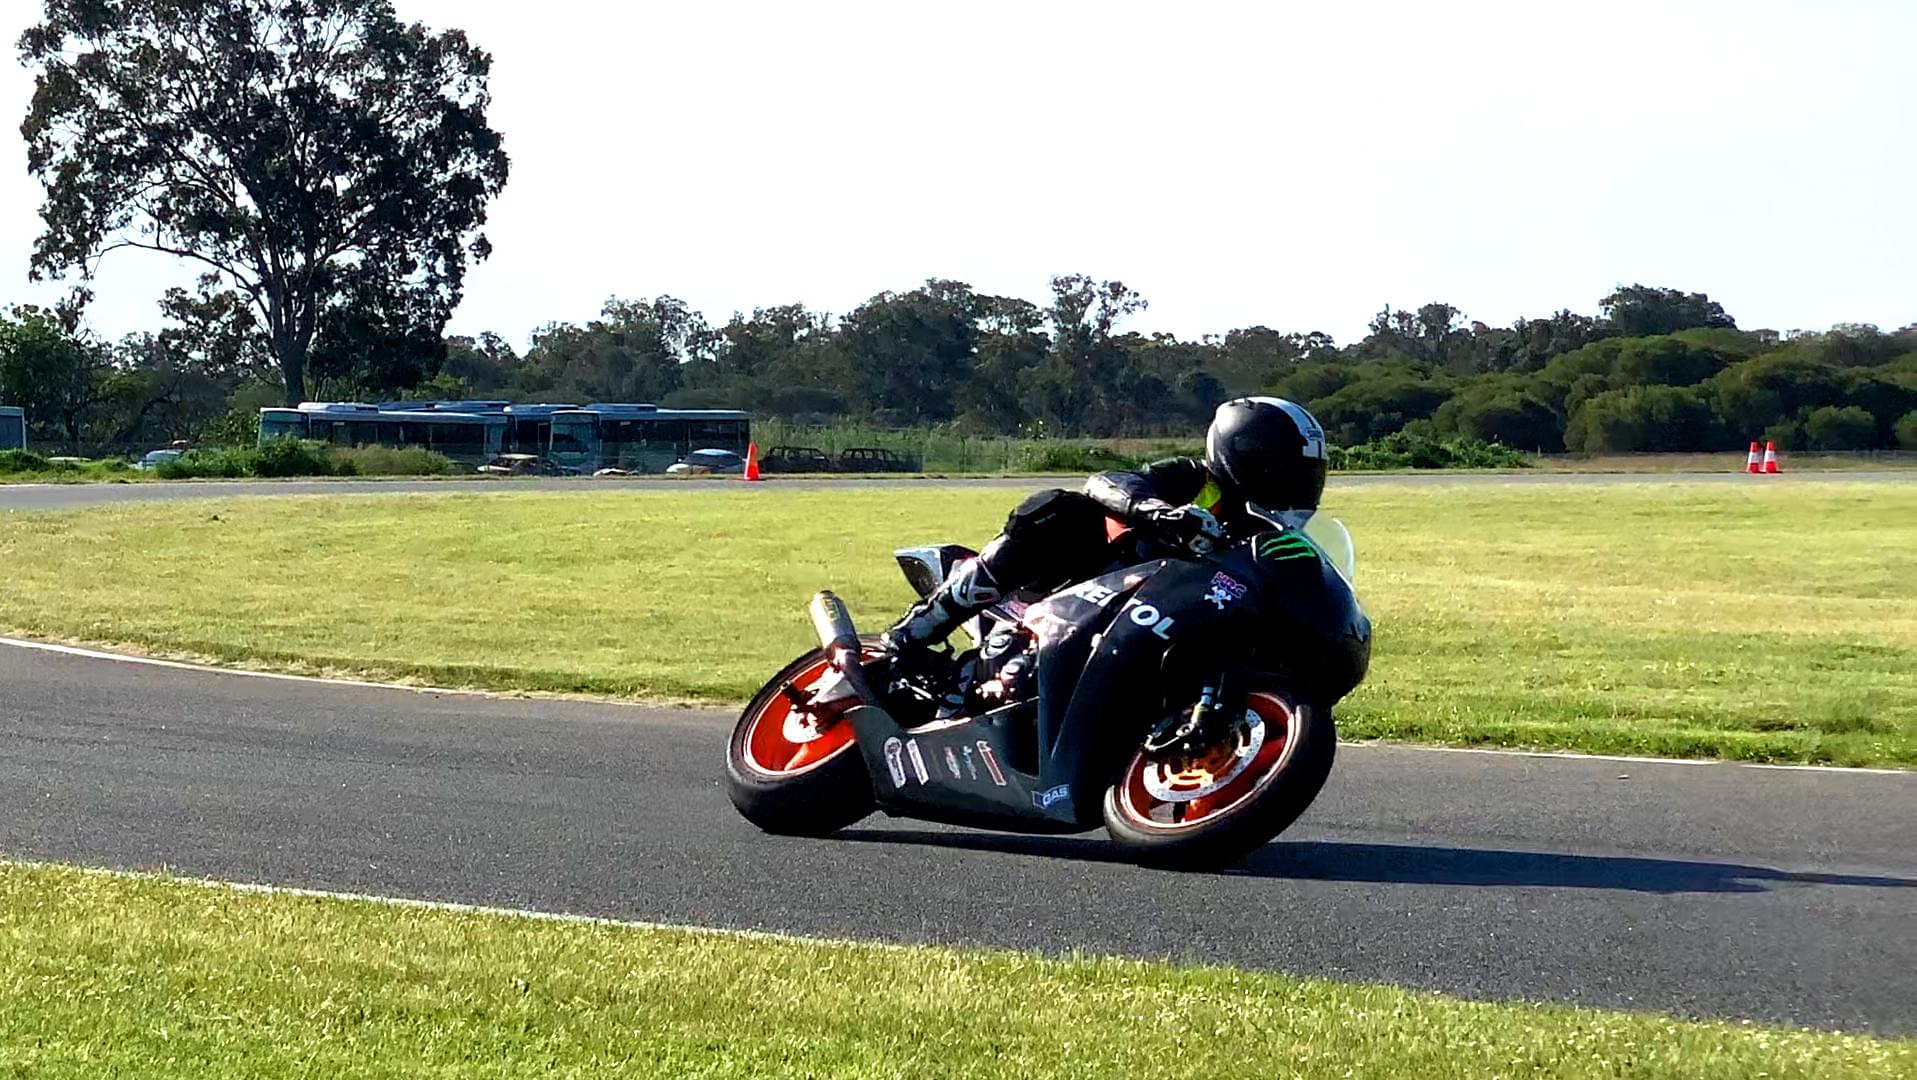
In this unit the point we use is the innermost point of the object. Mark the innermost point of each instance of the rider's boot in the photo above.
(967, 590)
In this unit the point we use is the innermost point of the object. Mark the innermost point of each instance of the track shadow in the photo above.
(1418, 864)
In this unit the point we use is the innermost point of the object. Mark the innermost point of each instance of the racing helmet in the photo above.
(1271, 451)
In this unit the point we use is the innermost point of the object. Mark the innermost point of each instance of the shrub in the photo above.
(1406, 451)
(291, 457)
(391, 461)
(1640, 418)
(194, 464)
(1787, 434)
(1048, 457)
(22, 461)
(1907, 431)
(1833, 428)
(238, 429)
(304, 457)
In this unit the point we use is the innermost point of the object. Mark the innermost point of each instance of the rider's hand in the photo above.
(1192, 528)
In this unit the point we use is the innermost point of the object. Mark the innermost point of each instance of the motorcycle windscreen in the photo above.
(1327, 534)
(1334, 542)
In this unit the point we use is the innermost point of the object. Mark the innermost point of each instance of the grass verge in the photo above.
(1770, 622)
(108, 975)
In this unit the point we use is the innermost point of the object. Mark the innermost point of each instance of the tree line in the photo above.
(328, 169)
(1653, 369)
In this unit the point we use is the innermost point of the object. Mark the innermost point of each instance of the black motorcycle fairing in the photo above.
(1297, 619)
(1069, 626)
(957, 772)
(1315, 635)
(1117, 695)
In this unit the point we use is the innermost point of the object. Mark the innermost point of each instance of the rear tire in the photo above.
(770, 778)
(1240, 823)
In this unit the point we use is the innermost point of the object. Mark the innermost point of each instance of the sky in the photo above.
(1295, 165)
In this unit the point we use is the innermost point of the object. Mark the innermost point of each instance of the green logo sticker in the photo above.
(1284, 546)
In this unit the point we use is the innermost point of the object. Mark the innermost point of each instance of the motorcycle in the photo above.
(1183, 702)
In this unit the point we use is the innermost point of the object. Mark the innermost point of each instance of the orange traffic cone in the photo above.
(1770, 458)
(1751, 464)
(752, 463)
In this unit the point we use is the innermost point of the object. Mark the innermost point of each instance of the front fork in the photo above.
(1221, 697)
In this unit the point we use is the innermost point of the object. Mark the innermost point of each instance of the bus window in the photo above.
(530, 436)
(717, 435)
(655, 446)
(575, 441)
(464, 441)
(281, 424)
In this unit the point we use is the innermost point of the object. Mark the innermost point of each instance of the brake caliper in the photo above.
(1187, 734)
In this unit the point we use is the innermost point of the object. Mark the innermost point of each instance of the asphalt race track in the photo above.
(76, 496)
(1700, 890)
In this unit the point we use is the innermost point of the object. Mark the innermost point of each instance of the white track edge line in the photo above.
(1573, 755)
(453, 907)
(1563, 755)
(182, 665)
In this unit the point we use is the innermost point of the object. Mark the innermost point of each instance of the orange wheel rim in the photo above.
(1187, 792)
(782, 740)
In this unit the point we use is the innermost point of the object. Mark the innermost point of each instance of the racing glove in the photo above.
(1189, 528)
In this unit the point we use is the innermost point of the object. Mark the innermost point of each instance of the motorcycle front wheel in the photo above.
(786, 771)
(1214, 807)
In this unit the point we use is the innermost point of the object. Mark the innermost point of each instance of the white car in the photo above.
(704, 462)
(155, 458)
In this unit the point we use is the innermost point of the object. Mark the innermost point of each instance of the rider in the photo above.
(1263, 451)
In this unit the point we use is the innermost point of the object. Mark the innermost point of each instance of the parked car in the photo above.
(875, 459)
(514, 465)
(703, 462)
(789, 459)
(155, 458)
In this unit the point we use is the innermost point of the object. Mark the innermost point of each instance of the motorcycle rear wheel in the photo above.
(788, 775)
(1216, 808)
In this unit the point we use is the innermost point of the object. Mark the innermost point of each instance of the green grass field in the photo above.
(1774, 621)
(112, 975)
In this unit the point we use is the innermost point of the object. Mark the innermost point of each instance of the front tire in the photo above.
(788, 774)
(1218, 808)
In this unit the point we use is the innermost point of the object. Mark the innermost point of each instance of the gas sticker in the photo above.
(951, 763)
(918, 761)
(991, 762)
(895, 761)
(1044, 799)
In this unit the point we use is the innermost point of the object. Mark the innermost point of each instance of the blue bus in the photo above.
(13, 428)
(635, 438)
(528, 428)
(642, 438)
(470, 438)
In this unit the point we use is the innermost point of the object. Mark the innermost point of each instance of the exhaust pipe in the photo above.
(832, 622)
(840, 640)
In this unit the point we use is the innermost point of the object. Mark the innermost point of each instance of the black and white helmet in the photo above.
(1271, 451)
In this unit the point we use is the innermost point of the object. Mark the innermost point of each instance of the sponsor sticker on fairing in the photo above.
(1044, 799)
(951, 763)
(991, 762)
(1224, 589)
(895, 761)
(971, 766)
(918, 761)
